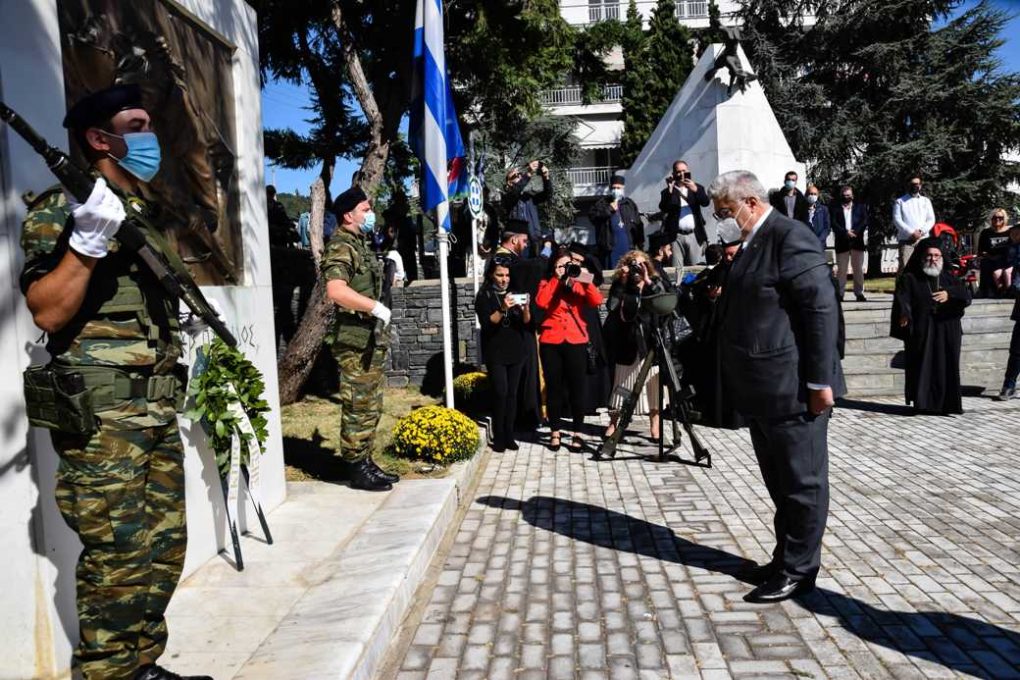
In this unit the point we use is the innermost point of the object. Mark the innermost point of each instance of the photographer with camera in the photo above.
(628, 333)
(504, 316)
(564, 341)
(521, 196)
(682, 201)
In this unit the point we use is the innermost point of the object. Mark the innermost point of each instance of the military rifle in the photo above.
(135, 232)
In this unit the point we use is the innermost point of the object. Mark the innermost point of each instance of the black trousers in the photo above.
(565, 367)
(504, 380)
(1013, 365)
(793, 457)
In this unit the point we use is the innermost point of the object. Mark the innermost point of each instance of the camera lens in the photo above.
(573, 270)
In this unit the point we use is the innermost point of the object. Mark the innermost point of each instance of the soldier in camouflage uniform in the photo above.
(354, 281)
(112, 328)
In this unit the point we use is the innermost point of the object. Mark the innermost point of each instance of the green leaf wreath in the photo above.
(210, 395)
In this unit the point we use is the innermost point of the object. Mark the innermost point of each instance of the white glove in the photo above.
(96, 220)
(382, 312)
(192, 323)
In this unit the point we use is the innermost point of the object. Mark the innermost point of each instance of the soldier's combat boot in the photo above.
(389, 477)
(154, 672)
(363, 476)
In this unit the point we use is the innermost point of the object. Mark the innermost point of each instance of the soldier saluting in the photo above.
(113, 337)
(354, 281)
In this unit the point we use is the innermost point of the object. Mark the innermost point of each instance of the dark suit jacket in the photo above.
(820, 223)
(800, 205)
(671, 203)
(779, 322)
(859, 224)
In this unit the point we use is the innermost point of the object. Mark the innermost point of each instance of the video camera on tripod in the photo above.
(668, 329)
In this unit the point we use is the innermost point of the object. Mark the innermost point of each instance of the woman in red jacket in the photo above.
(563, 337)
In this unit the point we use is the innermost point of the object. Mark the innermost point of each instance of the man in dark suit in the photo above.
(818, 216)
(777, 343)
(849, 225)
(789, 200)
(681, 202)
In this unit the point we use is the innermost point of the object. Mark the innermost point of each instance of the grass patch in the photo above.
(884, 284)
(311, 436)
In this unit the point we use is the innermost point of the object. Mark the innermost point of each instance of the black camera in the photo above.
(573, 270)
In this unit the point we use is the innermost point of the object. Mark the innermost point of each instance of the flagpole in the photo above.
(442, 211)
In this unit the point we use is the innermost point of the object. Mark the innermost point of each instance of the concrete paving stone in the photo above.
(915, 580)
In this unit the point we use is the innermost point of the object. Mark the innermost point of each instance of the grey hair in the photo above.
(736, 185)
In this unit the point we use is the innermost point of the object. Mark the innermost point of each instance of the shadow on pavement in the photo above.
(956, 642)
(875, 407)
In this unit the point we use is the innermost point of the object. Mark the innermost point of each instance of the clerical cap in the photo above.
(348, 201)
(617, 179)
(94, 110)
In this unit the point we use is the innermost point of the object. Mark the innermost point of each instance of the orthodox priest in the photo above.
(927, 309)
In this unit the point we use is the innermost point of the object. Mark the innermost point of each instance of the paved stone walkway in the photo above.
(569, 568)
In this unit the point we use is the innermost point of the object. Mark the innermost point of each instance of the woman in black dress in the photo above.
(503, 315)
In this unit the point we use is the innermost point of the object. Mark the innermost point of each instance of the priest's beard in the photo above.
(933, 269)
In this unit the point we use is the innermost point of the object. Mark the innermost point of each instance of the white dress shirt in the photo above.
(913, 213)
(686, 224)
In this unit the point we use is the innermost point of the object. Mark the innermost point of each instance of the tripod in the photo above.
(679, 407)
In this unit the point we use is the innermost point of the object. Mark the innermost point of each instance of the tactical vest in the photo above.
(353, 330)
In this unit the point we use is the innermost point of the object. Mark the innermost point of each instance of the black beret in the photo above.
(99, 107)
(617, 179)
(657, 240)
(348, 201)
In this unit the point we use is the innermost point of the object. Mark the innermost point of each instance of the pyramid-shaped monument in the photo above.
(714, 131)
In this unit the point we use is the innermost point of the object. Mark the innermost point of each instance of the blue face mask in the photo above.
(789, 184)
(547, 251)
(143, 154)
(618, 194)
(368, 226)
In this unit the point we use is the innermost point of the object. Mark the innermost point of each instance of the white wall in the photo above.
(38, 625)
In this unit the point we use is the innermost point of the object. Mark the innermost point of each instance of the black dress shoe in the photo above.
(778, 588)
(382, 474)
(758, 574)
(364, 477)
(498, 447)
(154, 672)
(861, 298)
(512, 445)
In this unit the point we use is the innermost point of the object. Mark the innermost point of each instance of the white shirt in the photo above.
(686, 224)
(912, 213)
(398, 273)
(848, 220)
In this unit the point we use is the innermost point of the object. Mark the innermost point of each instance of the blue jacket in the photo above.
(820, 223)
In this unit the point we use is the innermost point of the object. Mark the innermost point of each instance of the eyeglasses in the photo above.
(998, 218)
(722, 214)
(933, 257)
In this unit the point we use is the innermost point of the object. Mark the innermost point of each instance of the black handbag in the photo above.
(591, 354)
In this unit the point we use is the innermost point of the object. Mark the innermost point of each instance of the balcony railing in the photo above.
(606, 12)
(589, 177)
(571, 96)
(691, 9)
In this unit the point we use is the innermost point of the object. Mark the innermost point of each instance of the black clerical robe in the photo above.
(932, 340)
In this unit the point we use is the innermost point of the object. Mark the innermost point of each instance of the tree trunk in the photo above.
(306, 344)
(304, 348)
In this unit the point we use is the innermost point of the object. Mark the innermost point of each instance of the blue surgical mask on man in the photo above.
(812, 198)
(789, 184)
(617, 193)
(368, 226)
(547, 251)
(143, 154)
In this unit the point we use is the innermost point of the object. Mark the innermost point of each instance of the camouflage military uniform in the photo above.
(360, 355)
(120, 489)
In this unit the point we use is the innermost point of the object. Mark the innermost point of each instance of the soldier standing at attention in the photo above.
(113, 337)
(354, 281)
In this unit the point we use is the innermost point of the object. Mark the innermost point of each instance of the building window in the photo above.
(603, 10)
(691, 9)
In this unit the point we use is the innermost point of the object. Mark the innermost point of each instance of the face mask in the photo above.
(368, 226)
(847, 200)
(547, 251)
(915, 189)
(143, 154)
(812, 198)
(789, 184)
(729, 230)
(618, 194)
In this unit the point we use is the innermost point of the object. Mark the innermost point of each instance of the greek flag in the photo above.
(434, 133)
